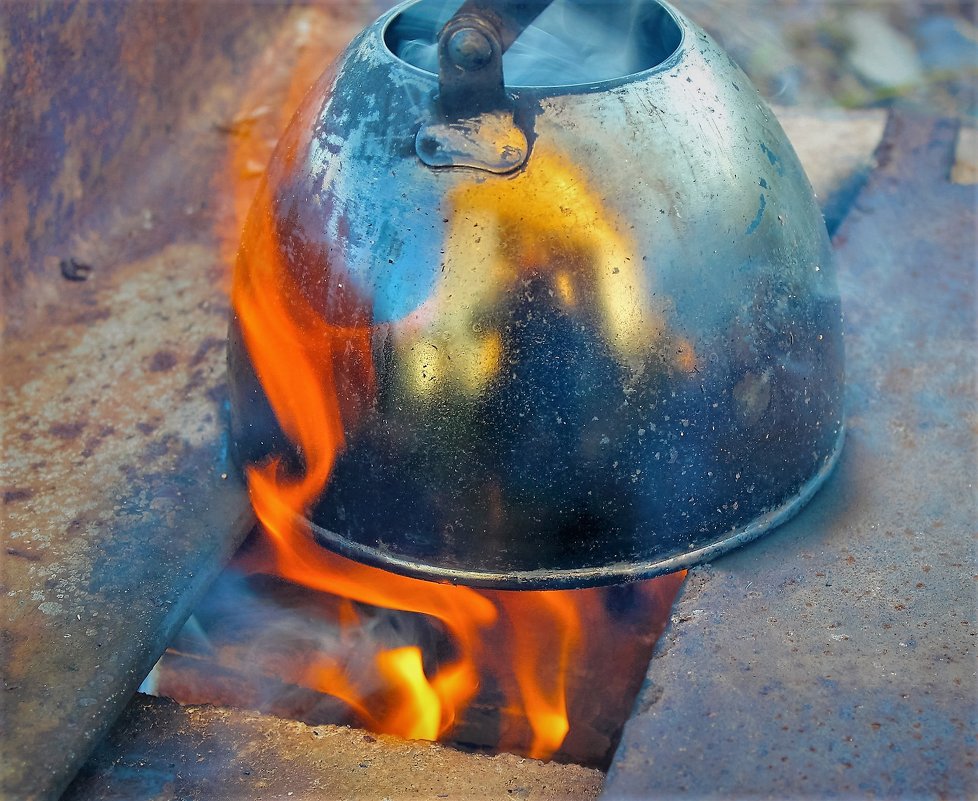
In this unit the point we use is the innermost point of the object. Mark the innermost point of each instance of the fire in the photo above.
(526, 642)
(542, 671)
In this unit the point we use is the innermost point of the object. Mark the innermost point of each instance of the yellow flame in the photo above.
(544, 223)
(418, 716)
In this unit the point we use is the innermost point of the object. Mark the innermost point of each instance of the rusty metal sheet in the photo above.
(118, 507)
(838, 657)
(115, 122)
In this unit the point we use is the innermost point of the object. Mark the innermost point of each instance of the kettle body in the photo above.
(618, 358)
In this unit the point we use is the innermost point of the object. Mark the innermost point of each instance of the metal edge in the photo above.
(537, 91)
(580, 578)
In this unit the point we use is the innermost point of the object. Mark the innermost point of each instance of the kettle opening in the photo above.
(572, 42)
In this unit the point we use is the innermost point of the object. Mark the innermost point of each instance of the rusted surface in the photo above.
(97, 101)
(117, 509)
(115, 120)
(116, 514)
(159, 750)
(838, 657)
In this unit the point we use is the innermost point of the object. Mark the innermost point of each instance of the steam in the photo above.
(571, 42)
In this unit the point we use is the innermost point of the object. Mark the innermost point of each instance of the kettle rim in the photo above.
(620, 572)
(382, 27)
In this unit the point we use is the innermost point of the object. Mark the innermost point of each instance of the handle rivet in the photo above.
(469, 49)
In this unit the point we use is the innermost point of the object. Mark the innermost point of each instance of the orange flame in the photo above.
(275, 319)
(543, 633)
(418, 716)
(541, 673)
(300, 359)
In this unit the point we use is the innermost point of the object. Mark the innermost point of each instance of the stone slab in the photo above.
(837, 657)
(159, 750)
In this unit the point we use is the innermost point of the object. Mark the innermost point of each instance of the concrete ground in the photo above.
(160, 750)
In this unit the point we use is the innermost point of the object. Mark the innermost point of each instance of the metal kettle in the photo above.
(574, 332)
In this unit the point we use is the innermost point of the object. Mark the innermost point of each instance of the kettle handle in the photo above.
(475, 126)
(470, 54)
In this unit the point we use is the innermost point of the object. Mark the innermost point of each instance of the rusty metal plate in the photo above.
(837, 658)
(118, 508)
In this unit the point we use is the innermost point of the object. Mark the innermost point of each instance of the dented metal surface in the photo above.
(838, 658)
(118, 506)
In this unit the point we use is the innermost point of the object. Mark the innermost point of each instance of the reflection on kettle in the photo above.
(541, 231)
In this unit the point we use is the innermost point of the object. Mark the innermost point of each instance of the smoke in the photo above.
(571, 42)
(258, 642)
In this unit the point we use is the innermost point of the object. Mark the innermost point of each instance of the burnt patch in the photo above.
(162, 361)
(67, 431)
(92, 443)
(205, 348)
(218, 395)
(20, 553)
(91, 316)
(17, 494)
(159, 449)
(196, 380)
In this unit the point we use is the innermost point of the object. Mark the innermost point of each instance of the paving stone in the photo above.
(879, 54)
(837, 657)
(160, 750)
